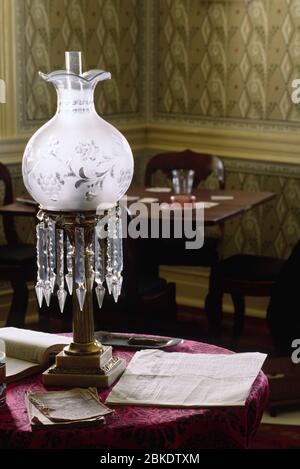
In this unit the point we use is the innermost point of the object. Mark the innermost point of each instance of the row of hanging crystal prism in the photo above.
(55, 266)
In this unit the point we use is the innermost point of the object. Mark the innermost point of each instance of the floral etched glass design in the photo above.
(77, 160)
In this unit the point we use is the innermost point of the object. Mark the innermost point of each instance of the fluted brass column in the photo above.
(84, 342)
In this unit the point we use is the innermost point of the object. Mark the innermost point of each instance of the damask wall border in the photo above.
(262, 168)
(225, 123)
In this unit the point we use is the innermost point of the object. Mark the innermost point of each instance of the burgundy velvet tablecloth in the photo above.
(133, 427)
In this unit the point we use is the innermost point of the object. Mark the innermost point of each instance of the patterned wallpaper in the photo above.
(107, 31)
(210, 62)
(230, 63)
(229, 59)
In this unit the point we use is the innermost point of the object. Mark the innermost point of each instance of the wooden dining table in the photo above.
(230, 203)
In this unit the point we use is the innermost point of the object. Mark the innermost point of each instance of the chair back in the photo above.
(8, 221)
(202, 163)
(283, 313)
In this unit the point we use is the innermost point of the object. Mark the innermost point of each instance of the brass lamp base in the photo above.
(85, 362)
(99, 370)
(89, 348)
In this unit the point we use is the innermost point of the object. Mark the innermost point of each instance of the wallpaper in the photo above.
(203, 62)
(227, 60)
(107, 31)
(210, 61)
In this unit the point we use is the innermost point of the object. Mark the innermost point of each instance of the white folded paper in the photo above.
(154, 377)
(205, 204)
(158, 189)
(148, 200)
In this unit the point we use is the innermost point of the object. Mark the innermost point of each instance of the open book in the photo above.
(29, 352)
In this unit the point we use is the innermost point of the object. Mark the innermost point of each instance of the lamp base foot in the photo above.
(84, 371)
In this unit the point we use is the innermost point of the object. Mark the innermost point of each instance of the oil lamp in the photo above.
(77, 166)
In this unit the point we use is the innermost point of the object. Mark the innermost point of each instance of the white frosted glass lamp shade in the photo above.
(77, 160)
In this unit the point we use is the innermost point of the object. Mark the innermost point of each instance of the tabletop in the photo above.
(135, 427)
(239, 203)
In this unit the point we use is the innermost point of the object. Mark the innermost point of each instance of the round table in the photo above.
(134, 427)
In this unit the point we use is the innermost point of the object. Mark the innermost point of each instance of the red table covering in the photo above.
(133, 427)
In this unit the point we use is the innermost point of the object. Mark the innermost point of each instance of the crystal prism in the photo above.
(115, 291)
(47, 293)
(120, 282)
(40, 215)
(51, 254)
(81, 292)
(100, 293)
(109, 280)
(79, 257)
(69, 281)
(69, 275)
(52, 280)
(39, 293)
(61, 295)
(92, 279)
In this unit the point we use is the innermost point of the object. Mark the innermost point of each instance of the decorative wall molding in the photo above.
(258, 146)
(7, 67)
(234, 145)
(282, 149)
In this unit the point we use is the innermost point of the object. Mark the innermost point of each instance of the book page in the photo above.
(38, 419)
(154, 377)
(31, 346)
(73, 405)
(15, 366)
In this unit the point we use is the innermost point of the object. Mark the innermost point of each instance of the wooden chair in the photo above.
(17, 260)
(239, 275)
(243, 275)
(203, 165)
(147, 302)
